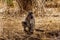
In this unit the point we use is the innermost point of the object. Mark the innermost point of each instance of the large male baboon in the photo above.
(29, 23)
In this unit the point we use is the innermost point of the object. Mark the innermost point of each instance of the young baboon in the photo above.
(29, 23)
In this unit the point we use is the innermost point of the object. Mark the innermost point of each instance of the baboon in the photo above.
(29, 23)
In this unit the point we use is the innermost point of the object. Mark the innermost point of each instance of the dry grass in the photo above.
(12, 29)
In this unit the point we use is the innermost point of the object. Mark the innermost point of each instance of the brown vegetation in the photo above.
(47, 24)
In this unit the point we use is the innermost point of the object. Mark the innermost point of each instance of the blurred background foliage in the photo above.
(10, 3)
